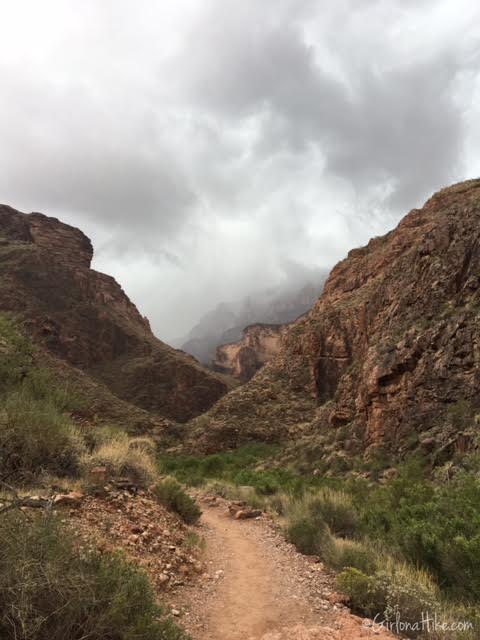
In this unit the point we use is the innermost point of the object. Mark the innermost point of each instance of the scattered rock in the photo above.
(243, 514)
(72, 499)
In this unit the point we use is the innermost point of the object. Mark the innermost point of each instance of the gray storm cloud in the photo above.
(205, 146)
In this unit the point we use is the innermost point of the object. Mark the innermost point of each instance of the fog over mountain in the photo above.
(277, 305)
(215, 149)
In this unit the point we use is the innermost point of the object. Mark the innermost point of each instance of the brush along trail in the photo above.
(258, 587)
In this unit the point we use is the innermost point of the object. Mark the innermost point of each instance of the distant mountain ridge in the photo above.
(388, 358)
(225, 324)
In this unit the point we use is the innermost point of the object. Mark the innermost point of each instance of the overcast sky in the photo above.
(213, 147)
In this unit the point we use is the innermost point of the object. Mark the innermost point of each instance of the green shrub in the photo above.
(41, 385)
(311, 538)
(435, 527)
(236, 467)
(16, 353)
(351, 553)
(396, 590)
(460, 561)
(50, 589)
(171, 495)
(336, 509)
(35, 436)
(360, 588)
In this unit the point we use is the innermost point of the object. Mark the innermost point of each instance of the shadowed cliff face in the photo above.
(85, 318)
(389, 352)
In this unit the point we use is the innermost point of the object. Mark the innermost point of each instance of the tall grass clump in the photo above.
(124, 456)
(353, 553)
(51, 589)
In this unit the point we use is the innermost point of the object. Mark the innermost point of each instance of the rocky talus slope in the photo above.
(390, 354)
(84, 318)
(259, 344)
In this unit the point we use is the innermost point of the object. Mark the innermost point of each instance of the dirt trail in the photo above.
(259, 588)
(251, 602)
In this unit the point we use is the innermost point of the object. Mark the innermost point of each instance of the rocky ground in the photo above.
(258, 587)
(230, 577)
(142, 529)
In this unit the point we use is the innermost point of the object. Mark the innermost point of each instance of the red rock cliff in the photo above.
(390, 353)
(85, 318)
(260, 342)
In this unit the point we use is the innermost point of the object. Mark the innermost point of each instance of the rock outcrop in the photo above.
(225, 323)
(389, 356)
(259, 344)
(84, 318)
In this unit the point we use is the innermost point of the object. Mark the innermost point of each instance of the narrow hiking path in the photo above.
(257, 587)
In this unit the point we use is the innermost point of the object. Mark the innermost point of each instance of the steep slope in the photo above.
(390, 354)
(84, 318)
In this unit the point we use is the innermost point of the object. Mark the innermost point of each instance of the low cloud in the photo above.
(205, 146)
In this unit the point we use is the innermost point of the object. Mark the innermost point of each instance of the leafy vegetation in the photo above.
(397, 588)
(52, 590)
(244, 466)
(433, 526)
(36, 437)
(430, 529)
(310, 538)
(36, 433)
(52, 586)
(170, 494)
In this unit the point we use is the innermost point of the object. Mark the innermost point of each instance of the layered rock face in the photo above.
(85, 318)
(390, 353)
(259, 344)
(225, 324)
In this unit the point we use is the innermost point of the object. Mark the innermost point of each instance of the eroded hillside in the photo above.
(389, 355)
(84, 318)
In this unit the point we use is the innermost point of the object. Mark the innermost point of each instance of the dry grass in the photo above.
(124, 456)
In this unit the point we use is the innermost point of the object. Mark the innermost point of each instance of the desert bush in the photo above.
(397, 589)
(352, 553)
(435, 527)
(311, 538)
(16, 354)
(460, 562)
(41, 385)
(124, 456)
(463, 622)
(363, 592)
(170, 494)
(50, 589)
(336, 509)
(278, 503)
(36, 437)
